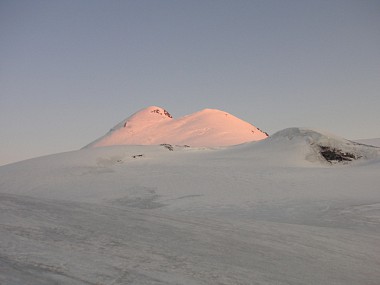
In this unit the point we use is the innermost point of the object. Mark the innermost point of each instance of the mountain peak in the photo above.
(206, 128)
(155, 110)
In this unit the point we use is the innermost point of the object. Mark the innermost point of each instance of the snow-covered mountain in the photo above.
(301, 207)
(154, 125)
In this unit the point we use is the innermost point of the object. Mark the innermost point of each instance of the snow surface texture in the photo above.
(154, 125)
(269, 212)
(374, 142)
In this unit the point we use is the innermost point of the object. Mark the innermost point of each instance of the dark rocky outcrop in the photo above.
(168, 146)
(158, 111)
(336, 155)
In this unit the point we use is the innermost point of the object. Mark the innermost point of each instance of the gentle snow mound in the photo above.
(324, 146)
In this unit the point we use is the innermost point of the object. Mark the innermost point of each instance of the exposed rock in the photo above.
(336, 155)
(158, 111)
(168, 146)
(137, 156)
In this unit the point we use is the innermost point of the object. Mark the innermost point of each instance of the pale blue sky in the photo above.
(71, 70)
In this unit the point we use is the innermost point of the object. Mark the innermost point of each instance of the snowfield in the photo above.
(374, 142)
(300, 207)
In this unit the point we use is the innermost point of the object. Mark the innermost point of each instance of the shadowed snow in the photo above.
(267, 212)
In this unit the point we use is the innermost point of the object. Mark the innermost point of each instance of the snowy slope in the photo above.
(268, 212)
(374, 142)
(154, 125)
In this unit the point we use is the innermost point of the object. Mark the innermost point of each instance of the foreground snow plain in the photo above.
(270, 212)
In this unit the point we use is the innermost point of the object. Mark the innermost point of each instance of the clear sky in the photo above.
(70, 70)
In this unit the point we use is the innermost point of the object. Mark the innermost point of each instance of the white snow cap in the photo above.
(154, 125)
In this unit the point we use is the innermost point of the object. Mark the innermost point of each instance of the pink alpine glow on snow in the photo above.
(154, 125)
